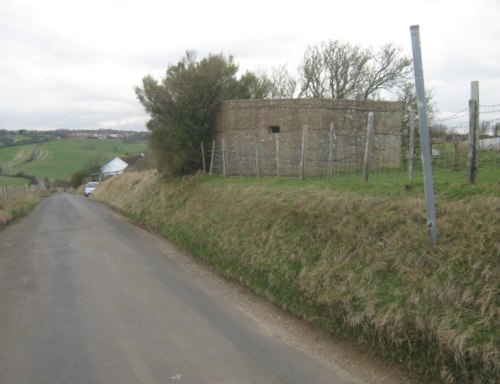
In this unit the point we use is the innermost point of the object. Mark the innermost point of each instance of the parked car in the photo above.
(89, 187)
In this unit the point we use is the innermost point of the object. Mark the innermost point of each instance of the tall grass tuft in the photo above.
(357, 265)
(20, 206)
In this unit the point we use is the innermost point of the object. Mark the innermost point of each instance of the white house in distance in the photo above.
(113, 167)
(119, 164)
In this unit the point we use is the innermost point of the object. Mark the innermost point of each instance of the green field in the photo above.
(16, 181)
(58, 159)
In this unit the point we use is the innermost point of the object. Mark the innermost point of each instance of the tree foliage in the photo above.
(183, 104)
(90, 171)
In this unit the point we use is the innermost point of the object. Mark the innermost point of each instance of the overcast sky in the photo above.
(74, 63)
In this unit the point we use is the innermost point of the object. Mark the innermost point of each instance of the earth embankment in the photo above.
(356, 265)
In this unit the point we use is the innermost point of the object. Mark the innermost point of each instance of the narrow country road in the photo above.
(87, 298)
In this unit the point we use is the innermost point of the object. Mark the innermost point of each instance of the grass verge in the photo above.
(19, 207)
(356, 264)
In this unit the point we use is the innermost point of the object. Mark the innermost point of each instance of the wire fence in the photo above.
(317, 155)
(459, 121)
(11, 192)
(447, 155)
(290, 155)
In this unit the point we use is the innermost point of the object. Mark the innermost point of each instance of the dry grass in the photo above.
(19, 207)
(359, 266)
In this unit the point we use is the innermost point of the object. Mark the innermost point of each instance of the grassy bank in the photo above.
(357, 264)
(19, 207)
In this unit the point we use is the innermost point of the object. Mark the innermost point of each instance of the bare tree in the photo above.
(343, 71)
(283, 85)
(389, 70)
(311, 73)
(346, 68)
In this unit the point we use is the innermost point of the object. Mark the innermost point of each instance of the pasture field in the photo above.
(58, 159)
(16, 181)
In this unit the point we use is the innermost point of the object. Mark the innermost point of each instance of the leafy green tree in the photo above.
(183, 106)
(253, 86)
(78, 177)
(274, 84)
(91, 171)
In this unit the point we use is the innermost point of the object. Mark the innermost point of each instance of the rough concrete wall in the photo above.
(247, 129)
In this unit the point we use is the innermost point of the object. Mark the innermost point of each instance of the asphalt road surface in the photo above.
(86, 297)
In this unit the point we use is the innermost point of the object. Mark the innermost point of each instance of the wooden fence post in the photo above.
(203, 158)
(473, 132)
(368, 146)
(411, 149)
(224, 163)
(331, 137)
(303, 152)
(212, 158)
(238, 158)
(277, 142)
(257, 160)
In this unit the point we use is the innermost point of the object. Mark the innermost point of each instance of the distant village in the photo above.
(101, 134)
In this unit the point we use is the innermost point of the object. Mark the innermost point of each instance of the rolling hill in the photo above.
(58, 159)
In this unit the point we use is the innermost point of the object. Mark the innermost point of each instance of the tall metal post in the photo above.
(424, 134)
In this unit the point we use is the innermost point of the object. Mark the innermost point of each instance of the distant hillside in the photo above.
(57, 159)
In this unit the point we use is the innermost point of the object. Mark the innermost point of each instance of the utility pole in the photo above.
(424, 134)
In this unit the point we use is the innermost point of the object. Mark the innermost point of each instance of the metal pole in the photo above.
(424, 134)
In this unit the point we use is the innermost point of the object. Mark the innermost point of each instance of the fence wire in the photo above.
(345, 159)
(11, 192)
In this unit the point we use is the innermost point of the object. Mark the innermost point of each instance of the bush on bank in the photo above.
(358, 266)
